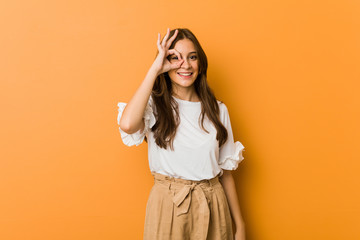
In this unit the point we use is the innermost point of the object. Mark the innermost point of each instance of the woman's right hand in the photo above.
(161, 63)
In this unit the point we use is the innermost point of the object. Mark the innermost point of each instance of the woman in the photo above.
(190, 143)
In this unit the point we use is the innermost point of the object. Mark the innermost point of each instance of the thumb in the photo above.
(179, 63)
(176, 65)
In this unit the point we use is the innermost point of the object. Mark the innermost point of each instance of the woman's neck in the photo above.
(186, 95)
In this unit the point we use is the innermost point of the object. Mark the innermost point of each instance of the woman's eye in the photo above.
(174, 58)
(193, 57)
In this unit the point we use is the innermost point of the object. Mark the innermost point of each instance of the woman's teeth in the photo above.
(185, 74)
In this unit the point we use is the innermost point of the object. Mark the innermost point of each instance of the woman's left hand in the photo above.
(239, 235)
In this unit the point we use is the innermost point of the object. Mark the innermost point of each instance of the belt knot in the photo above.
(182, 199)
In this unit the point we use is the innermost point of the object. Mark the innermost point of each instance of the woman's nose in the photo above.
(185, 64)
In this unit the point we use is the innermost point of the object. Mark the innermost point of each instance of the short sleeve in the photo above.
(137, 138)
(230, 153)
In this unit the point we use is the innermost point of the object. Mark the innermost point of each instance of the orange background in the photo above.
(287, 70)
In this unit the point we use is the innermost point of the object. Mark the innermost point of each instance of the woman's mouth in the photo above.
(185, 74)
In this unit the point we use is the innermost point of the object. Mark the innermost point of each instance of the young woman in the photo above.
(191, 148)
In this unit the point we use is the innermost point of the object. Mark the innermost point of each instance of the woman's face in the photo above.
(186, 75)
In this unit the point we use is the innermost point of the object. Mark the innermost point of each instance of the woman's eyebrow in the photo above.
(189, 53)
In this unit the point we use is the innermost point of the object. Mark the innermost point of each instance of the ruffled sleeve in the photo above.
(230, 153)
(137, 138)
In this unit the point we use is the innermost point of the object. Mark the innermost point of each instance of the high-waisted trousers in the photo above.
(179, 209)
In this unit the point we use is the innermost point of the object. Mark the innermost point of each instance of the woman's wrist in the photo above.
(239, 225)
(155, 70)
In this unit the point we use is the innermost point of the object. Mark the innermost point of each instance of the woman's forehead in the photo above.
(185, 46)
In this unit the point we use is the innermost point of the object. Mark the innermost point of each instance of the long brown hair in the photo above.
(166, 121)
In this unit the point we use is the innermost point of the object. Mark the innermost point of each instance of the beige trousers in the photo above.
(179, 209)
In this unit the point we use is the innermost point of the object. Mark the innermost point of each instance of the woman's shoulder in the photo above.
(219, 101)
(223, 110)
(221, 104)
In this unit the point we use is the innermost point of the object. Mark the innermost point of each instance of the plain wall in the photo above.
(287, 70)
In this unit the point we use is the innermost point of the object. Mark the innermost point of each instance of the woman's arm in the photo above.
(132, 117)
(228, 184)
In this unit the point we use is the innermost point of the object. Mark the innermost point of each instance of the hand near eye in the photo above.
(161, 63)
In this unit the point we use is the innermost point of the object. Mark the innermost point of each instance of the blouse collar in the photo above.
(186, 102)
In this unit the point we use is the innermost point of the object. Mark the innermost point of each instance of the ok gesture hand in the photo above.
(161, 63)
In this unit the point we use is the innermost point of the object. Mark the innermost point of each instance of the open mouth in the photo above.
(185, 75)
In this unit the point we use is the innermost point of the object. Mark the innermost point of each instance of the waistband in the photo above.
(210, 182)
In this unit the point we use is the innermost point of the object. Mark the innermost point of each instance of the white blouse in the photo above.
(196, 154)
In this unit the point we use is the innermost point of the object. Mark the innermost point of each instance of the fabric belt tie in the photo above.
(185, 190)
(182, 200)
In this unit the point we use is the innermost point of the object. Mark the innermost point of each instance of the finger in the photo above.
(165, 38)
(158, 41)
(171, 39)
(174, 51)
(176, 65)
